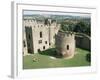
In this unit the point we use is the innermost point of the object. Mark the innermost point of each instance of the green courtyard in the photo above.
(47, 59)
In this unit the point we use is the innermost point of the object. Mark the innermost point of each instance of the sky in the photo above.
(30, 12)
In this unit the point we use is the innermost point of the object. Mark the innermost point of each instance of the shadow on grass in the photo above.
(50, 52)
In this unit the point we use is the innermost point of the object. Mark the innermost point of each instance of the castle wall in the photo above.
(54, 28)
(40, 43)
(83, 42)
(51, 36)
(24, 43)
(29, 39)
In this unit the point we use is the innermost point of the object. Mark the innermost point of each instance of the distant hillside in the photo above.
(57, 17)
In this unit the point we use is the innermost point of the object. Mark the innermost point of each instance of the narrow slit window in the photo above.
(40, 34)
(67, 47)
(45, 42)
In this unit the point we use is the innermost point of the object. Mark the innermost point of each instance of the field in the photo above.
(47, 60)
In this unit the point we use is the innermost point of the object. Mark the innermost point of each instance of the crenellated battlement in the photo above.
(41, 24)
(45, 22)
(66, 34)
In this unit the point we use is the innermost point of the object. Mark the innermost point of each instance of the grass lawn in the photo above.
(45, 60)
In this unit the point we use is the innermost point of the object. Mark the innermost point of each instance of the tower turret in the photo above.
(65, 44)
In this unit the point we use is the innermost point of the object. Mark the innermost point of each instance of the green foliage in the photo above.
(67, 27)
(81, 27)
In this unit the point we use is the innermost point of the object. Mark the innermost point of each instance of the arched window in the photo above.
(67, 47)
(40, 34)
(43, 47)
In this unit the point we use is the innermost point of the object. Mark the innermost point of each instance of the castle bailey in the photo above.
(65, 44)
(40, 35)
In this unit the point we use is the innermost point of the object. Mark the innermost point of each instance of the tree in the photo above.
(82, 27)
(64, 27)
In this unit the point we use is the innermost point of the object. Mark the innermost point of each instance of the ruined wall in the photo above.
(53, 30)
(83, 42)
(29, 39)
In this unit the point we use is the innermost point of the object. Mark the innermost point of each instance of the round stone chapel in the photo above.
(65, 44)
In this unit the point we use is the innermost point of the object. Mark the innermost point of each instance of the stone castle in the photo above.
(40, 35)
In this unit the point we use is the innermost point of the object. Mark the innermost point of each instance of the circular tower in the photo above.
(65, 44)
